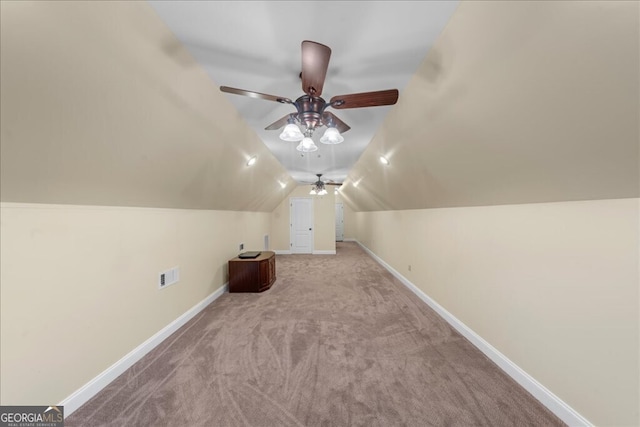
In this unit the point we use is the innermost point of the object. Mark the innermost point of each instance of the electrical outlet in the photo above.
(242, 246)
(409, 267)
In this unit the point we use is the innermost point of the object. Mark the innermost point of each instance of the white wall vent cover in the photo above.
(168, 277)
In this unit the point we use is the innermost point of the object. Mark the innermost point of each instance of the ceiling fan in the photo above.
(318, 187)
(311, 108)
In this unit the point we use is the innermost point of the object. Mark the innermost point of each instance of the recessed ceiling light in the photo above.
(384, 160)
(252, 161)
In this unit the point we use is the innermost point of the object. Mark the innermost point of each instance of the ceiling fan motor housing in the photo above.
(310, 109)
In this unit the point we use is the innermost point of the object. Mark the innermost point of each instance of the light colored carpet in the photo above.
(337, 341)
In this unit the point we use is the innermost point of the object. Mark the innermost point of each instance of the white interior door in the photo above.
(301, 225)
(339, 222)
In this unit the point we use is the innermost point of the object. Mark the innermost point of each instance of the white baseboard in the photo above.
(90, 389)
(324, 252)
(281, 252)
(563, 411)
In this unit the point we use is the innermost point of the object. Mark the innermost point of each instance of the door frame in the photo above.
(313, 227)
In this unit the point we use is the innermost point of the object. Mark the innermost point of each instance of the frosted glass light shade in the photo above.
(307, 145)
(291, 132)
(331, 136)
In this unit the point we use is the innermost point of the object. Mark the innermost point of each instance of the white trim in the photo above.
(90, 389)
(562, 410)
(285, 252)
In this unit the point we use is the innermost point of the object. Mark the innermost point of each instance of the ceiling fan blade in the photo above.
(315, 61)
(278, 123)
(257, 95)
(365, 99)
(328, 117)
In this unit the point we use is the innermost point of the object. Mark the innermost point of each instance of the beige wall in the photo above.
(79, 285)
(516, 102)
(553, 286)
(324, 221)
(94, 113)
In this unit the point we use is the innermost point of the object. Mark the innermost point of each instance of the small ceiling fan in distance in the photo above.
(318, 187)
(311, 108)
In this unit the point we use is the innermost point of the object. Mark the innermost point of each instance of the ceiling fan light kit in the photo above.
(307, 145)
(331, 136)
(311, 108)
(291, 133)
(315, 192)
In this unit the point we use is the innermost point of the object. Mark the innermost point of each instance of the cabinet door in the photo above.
(272, 269)
(264, 273)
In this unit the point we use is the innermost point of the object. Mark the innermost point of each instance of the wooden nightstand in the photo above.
(252, 275)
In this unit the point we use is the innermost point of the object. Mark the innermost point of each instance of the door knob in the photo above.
(309, 229)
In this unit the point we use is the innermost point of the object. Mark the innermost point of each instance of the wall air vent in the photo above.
(168, 277)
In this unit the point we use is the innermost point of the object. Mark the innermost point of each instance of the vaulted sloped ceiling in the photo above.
(95, 112)
(517, 102)
(256, 45)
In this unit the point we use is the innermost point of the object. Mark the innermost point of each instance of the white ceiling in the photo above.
(256, 46)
